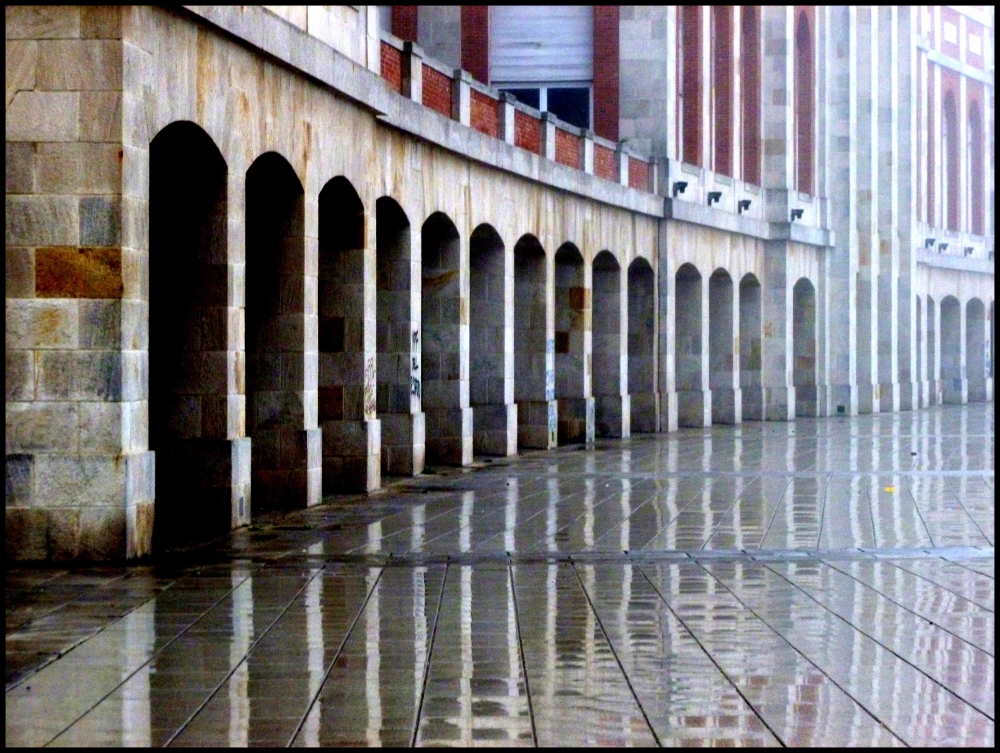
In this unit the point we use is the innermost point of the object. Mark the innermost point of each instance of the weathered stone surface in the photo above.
(79, 168)
(79, 65)
(20, 167)
(62, 272)
(43, 116)
(101, 116)
(22, 58)
(42, 22)
(42, 221)
(101, 22)
(42, 427)
(20, 272)
(42, 324)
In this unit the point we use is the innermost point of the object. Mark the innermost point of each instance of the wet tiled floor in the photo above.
(825, 582)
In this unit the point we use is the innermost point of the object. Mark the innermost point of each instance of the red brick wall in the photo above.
(527, 132)
(949, 15)
(722, 74)
(950, 130)
(567, 148)
(404, 22)
(604, 163)
(476, 41)
(931, 149)
(638, 174)
(975, 29)
(689, 58)
(392, 67)
(436, 91)
(606, 71)
(804, 97)
(484, 116)
(977, 144)
(750, 93)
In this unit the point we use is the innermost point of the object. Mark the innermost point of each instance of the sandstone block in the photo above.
(43, 221)
(65, 481)
(43, 116)
(100, 221)
(62, 534)
(20, 272)
(101, 116)
(22, 59)
(101, 22)
(42, 427)
(135, 375)
(134, 223)
(100, 324)
(19, 484)
(25, 529)
(20, 375)
(80, 168)
(79, 65)
(100, 428)
(139, 530)
(41, 324)
(20, 167)
(135, 274)
(42, 22)
(67, 272)
(135, 425)
(134, 325)
(79, 375)
(102, 533)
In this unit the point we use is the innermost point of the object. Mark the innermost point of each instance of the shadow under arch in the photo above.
(751, 348)
(572, 306)
(643, 397)
(975, 350)
(612, 417)
(954, 388)
(804, 347)
(693, 398)
(534, 377)
(727, 405)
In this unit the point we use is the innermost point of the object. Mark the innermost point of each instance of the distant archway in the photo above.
(533, 388)
(722, 359)
(975, 349)
(804, 348)
(610, 420)
(953, 384)
(642, 346)
(751, 355)
(689, 366)
(571, 305)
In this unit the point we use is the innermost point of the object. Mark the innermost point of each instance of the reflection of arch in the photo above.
(975, 349)
(804, 347)
(751, 355)
(750, 93)
(531, 389)
(688, 360)
(341, 287)
(491, 336)
(949, 135)
(571, 305)
(398, 394)
(441, 342)
(804, 86)
(642, 346)
(275, 332)
(953, 385)
(976, 176)
(606, 347)
(188, 285)
(721, 365)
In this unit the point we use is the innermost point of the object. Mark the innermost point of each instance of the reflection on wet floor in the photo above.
(817, 583)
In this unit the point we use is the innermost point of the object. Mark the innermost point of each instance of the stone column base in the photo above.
(352, 460)
(954, 391)
(449, 435)
(888, 397)
(403, 443)
(240, 482)
(980, 390)
(612, 415)
(494, 429)
(537, 421)
(668, 411)
(752, 402)
(727, 405)
(924, 393)
(287, 468)
(936, 392)
(868, 398)
(576, 420)
(807, 400)
(694, 407)
(909, 396)
(841, 400)
(644, 413)
(779, 403)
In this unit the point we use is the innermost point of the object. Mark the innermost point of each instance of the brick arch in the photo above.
(722, 79)
(750, 92)
(804, 96)
(689, 57)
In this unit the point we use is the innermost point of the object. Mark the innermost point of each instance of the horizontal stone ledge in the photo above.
(687, 211)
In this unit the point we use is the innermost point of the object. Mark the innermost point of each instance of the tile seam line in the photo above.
(683, 508)
(614, 653)
(822, 514)
(711, 658)
(809, 661)
(958, 498)
(895, 564)
(520, 649)
(969, 569)
(544, 539)
(150, 659)
(916, 507)
(242, 661)
(427, 662)
(878, 642)
(907, 609)
(774, 513)
(333, 661)
(729, 509)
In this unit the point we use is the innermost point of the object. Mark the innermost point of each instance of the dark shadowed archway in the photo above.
(642, 347)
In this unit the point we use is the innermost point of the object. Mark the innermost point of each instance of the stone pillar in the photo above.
(954, 384)
(587, 152)
(934, 385)
(572, 345)
(723, 355)
(750, 355)
(547, 148)
(413, 72)
(534, 347)
(610, 353)
(506, 127)
(666, 348)
(641, 348)
(461, 97)
(694, 399)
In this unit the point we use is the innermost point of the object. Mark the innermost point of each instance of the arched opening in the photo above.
(689, 64)
(445, 403)
(804, 347)
(571, 306)
(723, 367)
(933, 368)
(750, 92)
(276, 335)
(751, 356)
(398, 336)
(610, 413)
(189, 347)
(534, 379)
(491, 339)
(953, 385)
(921, 377)
(689, 365)
(977, 187)
(642, 346)
(804, 86)
(950, 154)
(975, 349)
(722, 78)
(343, 401)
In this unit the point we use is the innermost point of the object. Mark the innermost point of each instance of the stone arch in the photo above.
(398, 338)
(750, 92)
(689, 362)
(491, 343)
(975, 349)
(610, 412)
(951, 154)
(804, 86)
(723, 363)
(804, 347)
(534, 378)
(445, 337)
(750, 350)
(571, 309)
(190, 353)
(282, 459)
(642, 346)
(343, 406)
(953, 385)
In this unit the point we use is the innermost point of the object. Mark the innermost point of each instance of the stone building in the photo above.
(266, 253)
